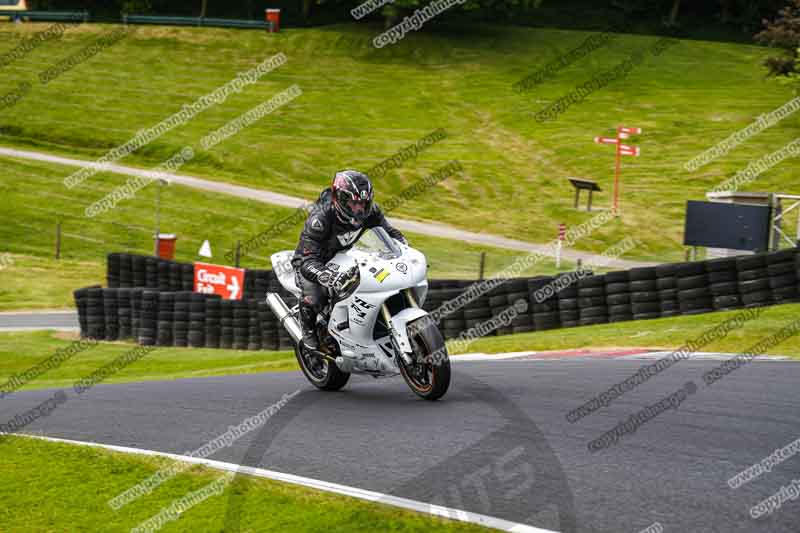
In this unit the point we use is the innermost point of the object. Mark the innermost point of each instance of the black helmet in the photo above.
(352, 197)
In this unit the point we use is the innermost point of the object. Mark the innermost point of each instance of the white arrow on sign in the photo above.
(233, 288)
(205, 250)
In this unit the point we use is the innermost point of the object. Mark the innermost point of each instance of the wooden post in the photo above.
(58, 240)
(577, 197)
(483, 265)
(616, 175)
(589, 205)
(158, 217)
(580, 263)
(238, 253)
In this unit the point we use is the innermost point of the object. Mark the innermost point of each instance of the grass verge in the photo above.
(46, 486)
(666, 333)
(34, 282)
(21, 351)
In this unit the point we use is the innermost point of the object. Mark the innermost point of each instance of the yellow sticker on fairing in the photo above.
(381, 275)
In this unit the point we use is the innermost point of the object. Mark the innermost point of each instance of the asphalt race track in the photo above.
(498, 444)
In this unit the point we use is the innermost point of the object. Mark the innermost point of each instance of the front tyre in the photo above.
(429, 374)
(323, 374)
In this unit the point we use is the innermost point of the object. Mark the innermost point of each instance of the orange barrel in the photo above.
(274, 20)
(166, 245)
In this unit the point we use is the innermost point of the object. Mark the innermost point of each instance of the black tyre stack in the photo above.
(148, 318)
(112, 270)
(125, 270)
(164, 279)
(645, 300)
(432, 302)
(567, 296)
(453, 323)
(241, 325)
(166, 319)
(518, 291)
(151, 272)
(618, 296)
(226, 323)
(497, 298)
(269, 327)
(249, 291)
(95, 314)
(197, 320)
(723, 284)
(139, 271)
(694, 291)
(753, 279)
(667, 285)
(180, 318)
(797, 267)
(80, 296)
(82, 305)
(124, 312)
(545, 314)
(263, 282)
(783, 276)
(136, 311)
(175, 270)
(213, 320)
(476, 311)
(187, 276)
(111, 314)
(592, 301)
(254, 327)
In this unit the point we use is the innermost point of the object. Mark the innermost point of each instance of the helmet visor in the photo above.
(358, 207)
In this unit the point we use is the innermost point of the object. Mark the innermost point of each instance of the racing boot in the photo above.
(309, 318)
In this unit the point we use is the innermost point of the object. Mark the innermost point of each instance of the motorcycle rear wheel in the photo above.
(326, 376)
(429, 375)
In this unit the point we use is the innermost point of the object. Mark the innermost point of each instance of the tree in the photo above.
(783, 33)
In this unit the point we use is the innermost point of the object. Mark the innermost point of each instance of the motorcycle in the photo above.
(374, 324)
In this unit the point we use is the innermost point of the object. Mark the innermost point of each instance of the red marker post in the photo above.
(621, 150)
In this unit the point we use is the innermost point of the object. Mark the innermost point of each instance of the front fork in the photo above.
(387, 317)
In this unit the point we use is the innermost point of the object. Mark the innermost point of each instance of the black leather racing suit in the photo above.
(324, 236)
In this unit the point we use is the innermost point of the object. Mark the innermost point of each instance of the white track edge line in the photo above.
(353, 492)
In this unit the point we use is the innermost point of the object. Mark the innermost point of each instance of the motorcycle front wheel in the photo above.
(429, 375)
(323, 374)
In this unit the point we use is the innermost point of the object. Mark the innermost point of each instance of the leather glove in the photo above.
(332, 280)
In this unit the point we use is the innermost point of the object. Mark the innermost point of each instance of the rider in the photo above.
(335, 222)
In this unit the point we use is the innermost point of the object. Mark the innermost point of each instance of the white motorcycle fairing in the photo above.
(388, 285)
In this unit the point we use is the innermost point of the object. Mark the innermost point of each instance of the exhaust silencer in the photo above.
(286, 319)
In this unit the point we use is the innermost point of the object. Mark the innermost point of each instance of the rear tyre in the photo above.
(324, 375)
(429, 376)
